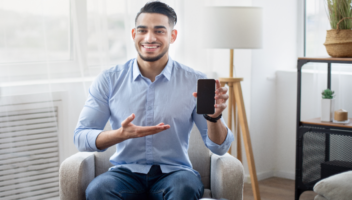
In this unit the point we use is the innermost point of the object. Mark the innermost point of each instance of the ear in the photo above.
(133, 32)
(173, 35)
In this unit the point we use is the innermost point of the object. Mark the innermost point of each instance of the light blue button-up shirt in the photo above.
(122, 90)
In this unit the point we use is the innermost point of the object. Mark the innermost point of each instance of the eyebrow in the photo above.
(155, 27)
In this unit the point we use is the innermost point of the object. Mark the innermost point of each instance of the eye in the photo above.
(141, 31)
(161, 31)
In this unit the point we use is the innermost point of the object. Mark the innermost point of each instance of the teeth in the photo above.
(150, 47)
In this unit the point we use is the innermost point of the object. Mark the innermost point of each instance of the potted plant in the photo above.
(327, 105)
(338, 41)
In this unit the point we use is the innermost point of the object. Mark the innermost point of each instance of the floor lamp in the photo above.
(236, 28)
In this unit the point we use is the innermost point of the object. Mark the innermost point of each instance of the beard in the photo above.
(152, 59)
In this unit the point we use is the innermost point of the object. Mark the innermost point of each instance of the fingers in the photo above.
(160, 124)
(150, 130)
(128, 120)
(195, 94)
(217, 83)
(221, 106)
(222, 96)
(221, 90)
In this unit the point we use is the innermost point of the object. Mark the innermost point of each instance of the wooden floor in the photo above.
(276, 189)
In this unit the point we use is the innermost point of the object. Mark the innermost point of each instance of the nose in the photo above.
(150, 37)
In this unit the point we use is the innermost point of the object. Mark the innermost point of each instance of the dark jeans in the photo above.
(121, 183)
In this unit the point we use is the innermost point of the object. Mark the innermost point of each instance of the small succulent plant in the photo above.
(327, 94)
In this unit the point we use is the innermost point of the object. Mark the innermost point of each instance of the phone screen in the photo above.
(205, 96)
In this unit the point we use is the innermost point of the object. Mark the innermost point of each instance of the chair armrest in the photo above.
(227, 177)
(76, 172)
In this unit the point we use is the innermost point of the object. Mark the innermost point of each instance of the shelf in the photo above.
(326, 59)
(316, 121)
(306, 126)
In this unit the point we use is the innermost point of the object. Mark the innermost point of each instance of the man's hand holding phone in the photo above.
(220, 97)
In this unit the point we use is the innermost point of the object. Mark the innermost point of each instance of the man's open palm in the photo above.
(130, 130)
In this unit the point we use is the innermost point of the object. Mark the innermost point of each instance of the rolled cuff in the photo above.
(222, 148)
(91, 138)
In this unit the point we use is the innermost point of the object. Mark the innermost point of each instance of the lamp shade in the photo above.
(232, 27)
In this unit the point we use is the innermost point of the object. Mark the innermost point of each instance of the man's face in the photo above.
(152, 36)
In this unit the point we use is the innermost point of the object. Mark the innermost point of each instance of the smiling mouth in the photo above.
(150, 47)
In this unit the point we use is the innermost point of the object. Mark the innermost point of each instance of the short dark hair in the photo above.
(161, 8)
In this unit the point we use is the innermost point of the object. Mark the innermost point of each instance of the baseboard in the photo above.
(269, 174)
(285, 174)
(260, 176)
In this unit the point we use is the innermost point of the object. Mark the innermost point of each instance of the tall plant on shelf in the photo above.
(339, 39)
(327, 105)
(338, 10)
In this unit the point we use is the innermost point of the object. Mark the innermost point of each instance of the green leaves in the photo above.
(337, 10)
(327, 94)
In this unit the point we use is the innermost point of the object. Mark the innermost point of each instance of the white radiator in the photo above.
(29, 146)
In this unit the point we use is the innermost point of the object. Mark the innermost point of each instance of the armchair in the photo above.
(222, 176)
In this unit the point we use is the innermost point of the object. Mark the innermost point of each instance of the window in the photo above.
(60, 39)
(34, 30)
(106, 32)
(317, 24)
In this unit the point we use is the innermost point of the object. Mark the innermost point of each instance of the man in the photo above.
(151, 161)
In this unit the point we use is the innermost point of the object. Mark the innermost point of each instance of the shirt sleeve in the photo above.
(202, 126)
(94, 115)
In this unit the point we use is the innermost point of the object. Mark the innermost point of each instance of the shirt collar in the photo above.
(136, 71)
(166, 71)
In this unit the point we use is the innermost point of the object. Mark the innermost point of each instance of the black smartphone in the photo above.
(205, 96)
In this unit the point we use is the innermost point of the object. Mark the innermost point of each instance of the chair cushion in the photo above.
(337, 187)
(199, 155)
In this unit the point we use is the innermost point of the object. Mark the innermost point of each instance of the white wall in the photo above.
(285, 141)
(279, 52)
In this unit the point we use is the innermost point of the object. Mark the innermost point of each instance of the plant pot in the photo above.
(327, 110)
(338, 43)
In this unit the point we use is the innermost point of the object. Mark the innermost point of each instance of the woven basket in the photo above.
(338, 42)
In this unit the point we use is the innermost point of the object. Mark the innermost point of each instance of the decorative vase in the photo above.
(327, 110)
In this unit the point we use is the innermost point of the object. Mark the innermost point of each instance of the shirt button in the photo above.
(149, 108)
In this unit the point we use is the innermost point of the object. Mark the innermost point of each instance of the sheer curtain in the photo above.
(50, 52)
(315, 77)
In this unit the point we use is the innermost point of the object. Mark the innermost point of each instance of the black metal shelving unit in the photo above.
(322, 149)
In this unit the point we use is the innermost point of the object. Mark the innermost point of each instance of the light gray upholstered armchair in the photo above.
(222, 176)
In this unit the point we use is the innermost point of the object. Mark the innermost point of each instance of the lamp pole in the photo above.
(232, 107)
(231, 63)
